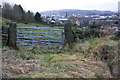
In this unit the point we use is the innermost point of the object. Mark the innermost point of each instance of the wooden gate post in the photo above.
(12, 35)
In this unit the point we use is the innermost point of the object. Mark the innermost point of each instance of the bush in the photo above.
(116, 36)
(87, 33)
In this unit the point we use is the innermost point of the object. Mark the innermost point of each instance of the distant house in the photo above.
(52, 21)
(56, 20)
(63, 20)
(60, 21)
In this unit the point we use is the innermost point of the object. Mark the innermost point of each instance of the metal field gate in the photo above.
(29, 37)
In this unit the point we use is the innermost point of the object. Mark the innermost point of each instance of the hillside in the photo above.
(40, 63)
(95, 57)
(76, 11)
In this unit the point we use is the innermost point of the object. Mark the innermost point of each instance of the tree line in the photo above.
(17, 13)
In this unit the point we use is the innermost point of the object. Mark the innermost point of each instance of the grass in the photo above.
(50, 76)
(34, 25)
(94, 43)
(82, 49)
(63, 65)
(68, 63)
(99, 75)
(3, 21)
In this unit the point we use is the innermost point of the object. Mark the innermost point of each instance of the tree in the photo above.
(18, 13)
(0, 11)
(7, 11)
(38, 17)
(29, 17)
(22, 12)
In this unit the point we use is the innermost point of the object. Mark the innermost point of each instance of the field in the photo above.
(91, 58)
(33, 32)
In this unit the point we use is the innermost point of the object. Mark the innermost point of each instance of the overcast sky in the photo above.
(43, 5)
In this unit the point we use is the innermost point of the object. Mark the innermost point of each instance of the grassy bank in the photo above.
(77, 63)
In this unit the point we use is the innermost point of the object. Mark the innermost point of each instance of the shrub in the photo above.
(86, 33)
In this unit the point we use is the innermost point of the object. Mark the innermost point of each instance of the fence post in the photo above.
(12, 34)
(69, 36)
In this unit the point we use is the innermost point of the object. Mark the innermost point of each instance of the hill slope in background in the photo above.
(76, 11)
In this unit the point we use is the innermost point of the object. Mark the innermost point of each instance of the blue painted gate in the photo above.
(29, 37)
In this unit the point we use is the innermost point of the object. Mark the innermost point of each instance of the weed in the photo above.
(99, 75)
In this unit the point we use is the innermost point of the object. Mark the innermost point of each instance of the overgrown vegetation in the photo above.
(77, 63)
(25, 64)
(86, 33)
